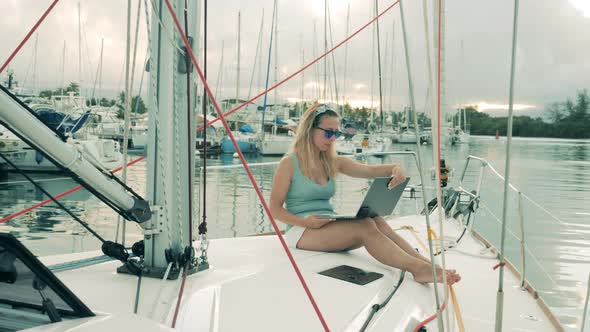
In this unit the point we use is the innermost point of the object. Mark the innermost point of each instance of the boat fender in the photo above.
(115, 250)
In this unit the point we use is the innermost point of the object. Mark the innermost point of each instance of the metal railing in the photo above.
(370, 154)
(254, 165)
(484, 164)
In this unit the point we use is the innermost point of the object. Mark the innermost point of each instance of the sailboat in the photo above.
(274, 139)
(237, 284)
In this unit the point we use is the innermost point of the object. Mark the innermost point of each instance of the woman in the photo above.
(304, 183)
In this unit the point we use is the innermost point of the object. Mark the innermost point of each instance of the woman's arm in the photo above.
(355, 169)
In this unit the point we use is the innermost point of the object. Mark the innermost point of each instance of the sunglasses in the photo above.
(328, 133)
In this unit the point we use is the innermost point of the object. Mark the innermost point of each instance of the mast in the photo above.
(276, 48)
(333, 61)
(392, 78)
(273, 21)
(260, 67)
(379, 66)
(35, 63)
(100, 72)
(238, 69)
(79, 46)
(372, 66)
(325, 50)
(345, 57)
(169, 140)
(302, 108)
(315, 55)
(235, 116)
(98, 80)
(220, 74)
(63, 68)
(256, 56)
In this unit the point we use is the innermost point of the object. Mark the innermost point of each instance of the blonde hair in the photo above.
(303, 147)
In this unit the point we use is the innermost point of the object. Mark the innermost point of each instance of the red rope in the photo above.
(247, 169)
(498, 265)
(302, 69)
(179, 300)
(22, 43)
(431, 318)
(65, 193)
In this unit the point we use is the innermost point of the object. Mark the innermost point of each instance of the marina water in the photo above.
(553, 173)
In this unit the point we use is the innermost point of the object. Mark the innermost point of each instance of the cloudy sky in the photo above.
(553, 49)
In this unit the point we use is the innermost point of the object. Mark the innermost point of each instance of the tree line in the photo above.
(567, 119)
(137, 104)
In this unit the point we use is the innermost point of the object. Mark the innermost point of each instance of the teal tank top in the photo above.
(306, 197)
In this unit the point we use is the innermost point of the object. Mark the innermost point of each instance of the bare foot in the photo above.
(423, 274)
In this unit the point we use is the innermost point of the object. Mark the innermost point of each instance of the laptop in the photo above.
(379, 200)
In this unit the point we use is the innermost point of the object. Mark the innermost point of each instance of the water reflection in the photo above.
(553, 173)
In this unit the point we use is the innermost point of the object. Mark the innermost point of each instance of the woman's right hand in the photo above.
(314, 221)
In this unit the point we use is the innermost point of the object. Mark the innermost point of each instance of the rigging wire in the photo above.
(189, 249)
(191, 142)
(333, 59)
(281, 82)
(500, 294)
(272, 27)
(74, 176)
(379, 67)
(420, 163)
(203, 224)
(53, 199)
(22, 43)
(258, 48)
(65, 193)
(437, 158)
(247, 169)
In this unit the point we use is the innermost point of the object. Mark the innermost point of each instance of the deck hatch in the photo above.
(352, 274)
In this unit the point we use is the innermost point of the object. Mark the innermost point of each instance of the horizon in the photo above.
(477, 61)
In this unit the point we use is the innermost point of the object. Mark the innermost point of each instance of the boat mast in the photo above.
(238, 72)
(79, 47)
(238, 69)
(420, 163)
(34, 85)
(373, 32)
(169, 139)
(345, 57)
(272, 30)
(392, 72)
(100, 71)
(315, 55)
(301, 106)
(325, 50)
(379, 66)
(256, 56)
(220, 74)
(336, 97)
(63, 68)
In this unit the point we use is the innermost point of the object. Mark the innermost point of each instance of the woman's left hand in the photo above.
(397, 176)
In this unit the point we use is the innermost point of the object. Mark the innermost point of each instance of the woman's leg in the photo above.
(402, 243)
(343, 235)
